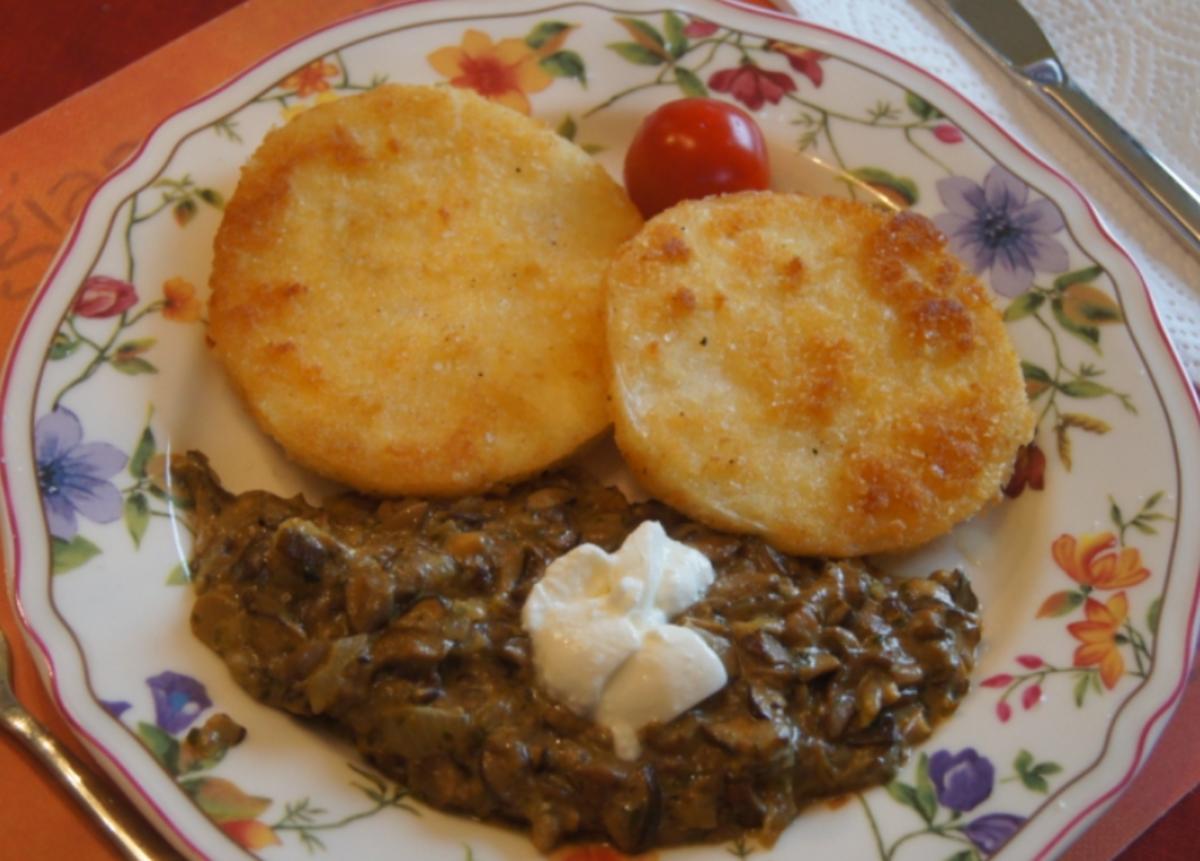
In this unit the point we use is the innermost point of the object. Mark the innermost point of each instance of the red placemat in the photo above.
(51, 164)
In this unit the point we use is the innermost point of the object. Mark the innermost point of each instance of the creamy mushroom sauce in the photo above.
(397, 622)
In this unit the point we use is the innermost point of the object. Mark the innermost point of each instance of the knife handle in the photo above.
(132, 834)
(1177, 205)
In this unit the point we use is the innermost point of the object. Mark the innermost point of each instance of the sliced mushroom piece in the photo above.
(631, 815)
(370, 596)
(418, 732)
(329, 682)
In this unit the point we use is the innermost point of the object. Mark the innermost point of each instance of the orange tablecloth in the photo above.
(49, 166)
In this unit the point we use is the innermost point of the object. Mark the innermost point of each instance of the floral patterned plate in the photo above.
(1088, 572)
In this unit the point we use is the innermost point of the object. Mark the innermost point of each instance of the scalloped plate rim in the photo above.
(127, 177)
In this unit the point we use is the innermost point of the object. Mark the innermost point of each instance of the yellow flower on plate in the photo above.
(505, 71)
(1093, 560)
(1098, 637)
(296, 108)
(310, 79)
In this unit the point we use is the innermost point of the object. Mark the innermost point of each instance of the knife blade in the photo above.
(1010, 36)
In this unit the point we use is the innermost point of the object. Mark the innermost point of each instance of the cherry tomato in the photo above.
(691, 148)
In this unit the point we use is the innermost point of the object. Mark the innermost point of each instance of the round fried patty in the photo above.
(815, 371)
(407, 290)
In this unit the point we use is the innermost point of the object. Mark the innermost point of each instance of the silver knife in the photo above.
(1007, 32)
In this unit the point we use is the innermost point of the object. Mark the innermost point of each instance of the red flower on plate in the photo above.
(806, 61)
(698, 28)
(947, 133)
(102, 296)
(751, 85)
(1028, 471)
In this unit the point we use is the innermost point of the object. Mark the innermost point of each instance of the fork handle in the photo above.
(1160, 188)
(123, 823)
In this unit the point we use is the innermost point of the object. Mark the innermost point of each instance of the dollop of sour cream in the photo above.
(602, 640)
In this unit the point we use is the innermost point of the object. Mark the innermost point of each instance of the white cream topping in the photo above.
(602, 639)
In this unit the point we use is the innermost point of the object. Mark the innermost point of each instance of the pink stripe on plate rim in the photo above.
(110, 760)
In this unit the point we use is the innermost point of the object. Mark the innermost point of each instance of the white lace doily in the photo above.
(1139, 59)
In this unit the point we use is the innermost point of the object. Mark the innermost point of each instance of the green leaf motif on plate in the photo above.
(179, 576)
(137, 516)
(544, 32)
(1084, 389)
(565, 64)
(1153, 612)
(68, 555)
(690, 84)
(164, 747)
(1030, 371)
(146, 449)
(135, 347)
(635, 53)
(61, 347)
(1033, 774)
(1082, 683)
(1114, 513)
(920, 107)
(212, 197)
(900, 189)
(905, 794)
(1023, 306)
(677, 41)
(926, 798)
(1037, 379)
(645, 35)
(127, 358)
(1078, 276)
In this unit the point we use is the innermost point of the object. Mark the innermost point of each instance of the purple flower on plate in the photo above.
(178, 700)
(116, 708)
(73, 475)
(990, 832)
(963, 780)
(997, 228)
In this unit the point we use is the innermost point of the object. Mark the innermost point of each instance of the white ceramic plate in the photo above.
(1089, 580)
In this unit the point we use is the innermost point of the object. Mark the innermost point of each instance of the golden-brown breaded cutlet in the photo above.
(407, 290)
(813, 370)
